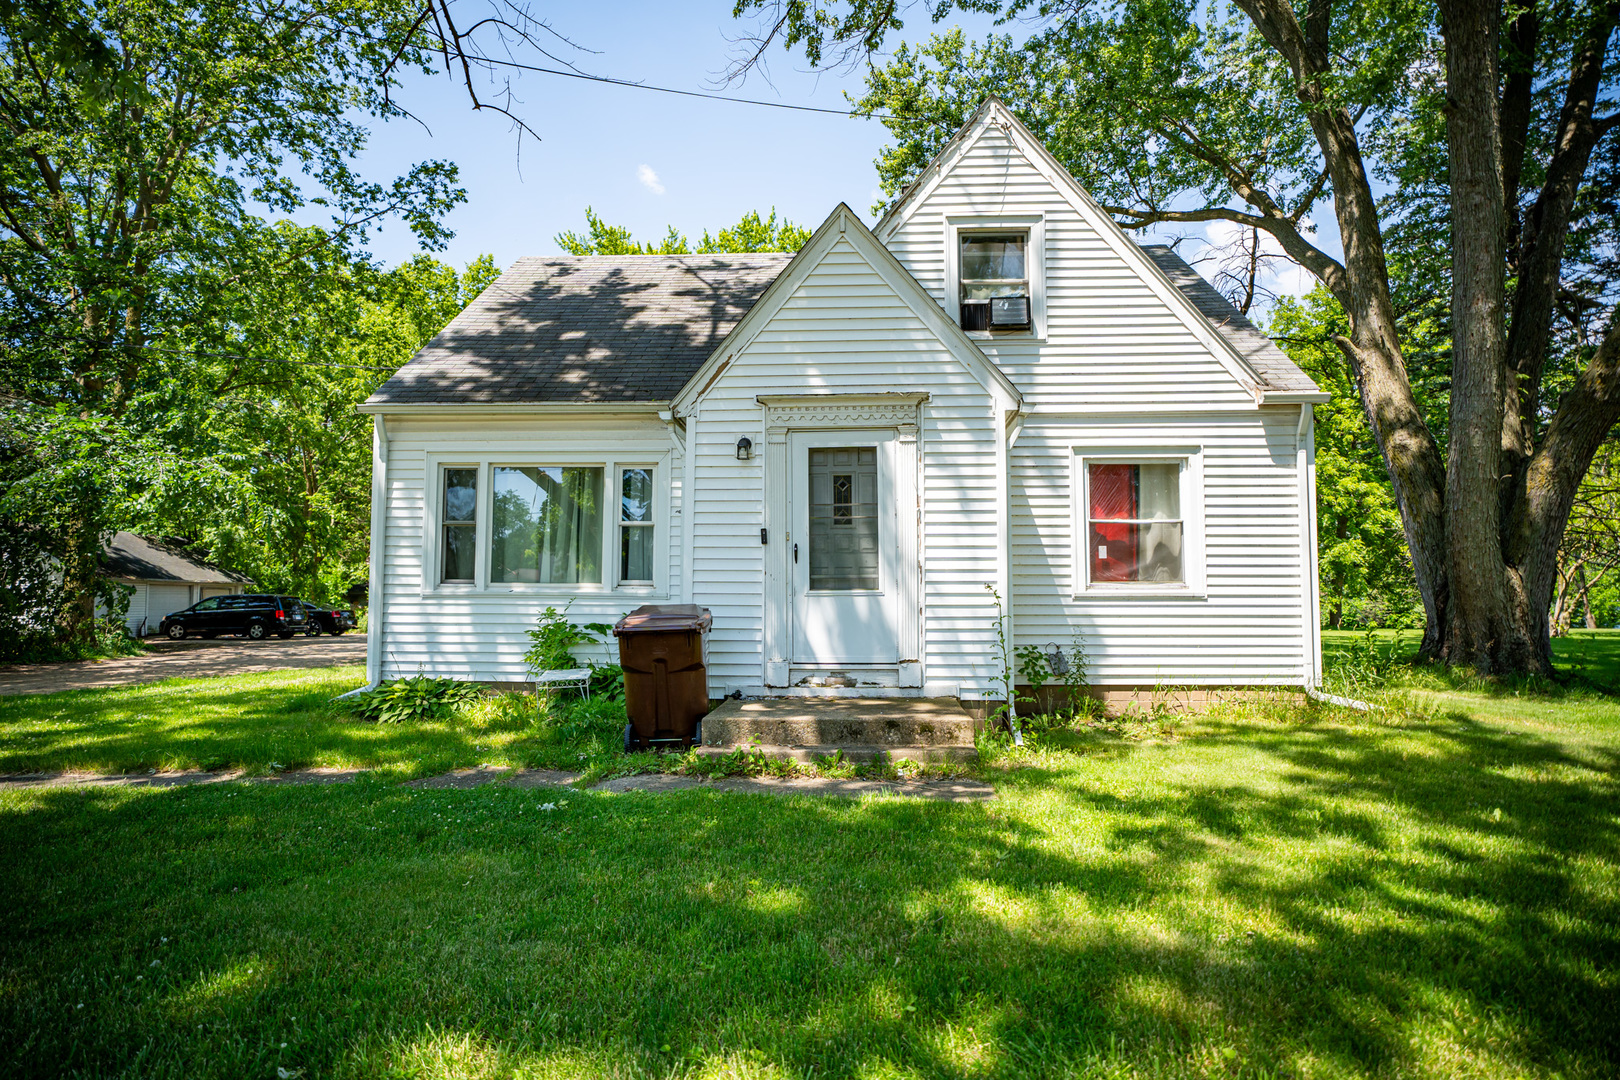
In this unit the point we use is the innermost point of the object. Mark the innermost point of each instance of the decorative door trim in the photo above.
(785, 413)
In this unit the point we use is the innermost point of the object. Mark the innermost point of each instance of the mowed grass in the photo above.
(1591, 656)
(1421, 892)
(258, 723)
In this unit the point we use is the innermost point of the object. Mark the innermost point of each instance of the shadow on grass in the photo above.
(256, 723)
(1254, 899)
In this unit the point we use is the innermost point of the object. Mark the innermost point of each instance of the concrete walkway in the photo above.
(943, 790)
(193, 659)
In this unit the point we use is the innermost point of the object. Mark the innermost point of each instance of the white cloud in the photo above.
(649, 179)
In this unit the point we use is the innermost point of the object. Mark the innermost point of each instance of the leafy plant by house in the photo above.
(418, 699)
(554, 638)
(1007, 712)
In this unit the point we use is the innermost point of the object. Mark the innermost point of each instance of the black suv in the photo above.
(323, 620)
(252, 615)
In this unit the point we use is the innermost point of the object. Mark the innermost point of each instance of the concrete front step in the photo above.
(859, 755)
(827, 724)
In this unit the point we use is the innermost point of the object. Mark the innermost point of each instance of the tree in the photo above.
(134, 135)
(752, 233)
(1366, 578)
(271, 409)
(1171, 114)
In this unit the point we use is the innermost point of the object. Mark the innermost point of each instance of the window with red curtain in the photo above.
(1133, 518)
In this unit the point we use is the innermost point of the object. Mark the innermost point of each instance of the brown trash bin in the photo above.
(663, 649)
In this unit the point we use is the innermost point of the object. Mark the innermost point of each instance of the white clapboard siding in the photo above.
(1248, 628)
(845, 330)
(1111, 343)
(480, 635)
(1120, 366)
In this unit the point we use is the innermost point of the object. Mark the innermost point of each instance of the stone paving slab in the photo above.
(14, 781)
(463, 779)
(945, 790)
(533, 778)
(185, 778)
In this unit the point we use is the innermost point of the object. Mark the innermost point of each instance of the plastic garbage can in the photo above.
(663, 649)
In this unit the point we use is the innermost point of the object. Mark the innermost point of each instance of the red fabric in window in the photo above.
(1113, 495)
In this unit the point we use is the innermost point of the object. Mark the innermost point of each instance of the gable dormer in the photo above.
(1056, 293)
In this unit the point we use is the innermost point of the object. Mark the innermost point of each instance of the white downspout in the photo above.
(1013, 426)
(375, 601)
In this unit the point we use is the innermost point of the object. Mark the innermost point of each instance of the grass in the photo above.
(1587, 656)
(1429, 891)
(258, 723)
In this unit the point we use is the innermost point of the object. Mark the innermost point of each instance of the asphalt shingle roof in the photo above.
(586, 329)
(141, 558)
(605, 329)
(1268, 361)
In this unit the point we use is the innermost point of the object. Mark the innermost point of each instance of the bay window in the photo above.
(587, 526)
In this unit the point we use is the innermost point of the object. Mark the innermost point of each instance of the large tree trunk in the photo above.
(1489, 626)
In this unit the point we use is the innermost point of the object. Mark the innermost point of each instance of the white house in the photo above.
(836, 452)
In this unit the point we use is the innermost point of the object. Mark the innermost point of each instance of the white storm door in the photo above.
(845, 554)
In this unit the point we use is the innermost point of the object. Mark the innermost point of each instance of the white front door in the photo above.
(845, 568)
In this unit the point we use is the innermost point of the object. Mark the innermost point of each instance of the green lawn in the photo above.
(1592, 655)
(1431, 891)
(260, 723)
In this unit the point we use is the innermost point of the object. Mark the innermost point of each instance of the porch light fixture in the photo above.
(745, 448)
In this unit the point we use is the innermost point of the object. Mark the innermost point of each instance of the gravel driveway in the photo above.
(190, 659)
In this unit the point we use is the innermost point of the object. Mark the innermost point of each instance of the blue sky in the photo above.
(642, 159)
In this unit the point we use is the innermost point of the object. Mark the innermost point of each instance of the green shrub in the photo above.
(416, 699)
(554, 638)
(607, 681)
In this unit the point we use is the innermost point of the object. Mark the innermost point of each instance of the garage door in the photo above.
(162, 599)
(216, 590)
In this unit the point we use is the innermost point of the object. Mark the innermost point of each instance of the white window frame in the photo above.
(1194, 560)
(1034, 266)
(619, 525)
(478, 529)
(612, 467)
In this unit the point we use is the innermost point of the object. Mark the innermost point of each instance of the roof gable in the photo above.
(1251, 359)
(844, 225)
(594, 329)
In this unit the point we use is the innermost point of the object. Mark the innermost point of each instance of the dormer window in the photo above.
(994, 278)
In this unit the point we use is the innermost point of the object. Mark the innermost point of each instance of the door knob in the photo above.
(795, 553)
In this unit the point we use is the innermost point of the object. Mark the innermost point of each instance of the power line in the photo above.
(684, 93)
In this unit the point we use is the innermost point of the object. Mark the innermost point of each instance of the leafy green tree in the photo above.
(277, 420)
(752, 233)
(1261, 113)
(1366, 578)
(133, 135)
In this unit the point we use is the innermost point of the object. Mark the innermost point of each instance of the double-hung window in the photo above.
(1138, 524)
(636, 527)
(503, 525)
(993, 276)
(459, 547)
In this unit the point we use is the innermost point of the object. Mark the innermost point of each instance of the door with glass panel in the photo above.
(844, 548)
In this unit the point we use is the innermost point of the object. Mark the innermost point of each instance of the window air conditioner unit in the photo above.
(975, 315)
(1009, 312)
